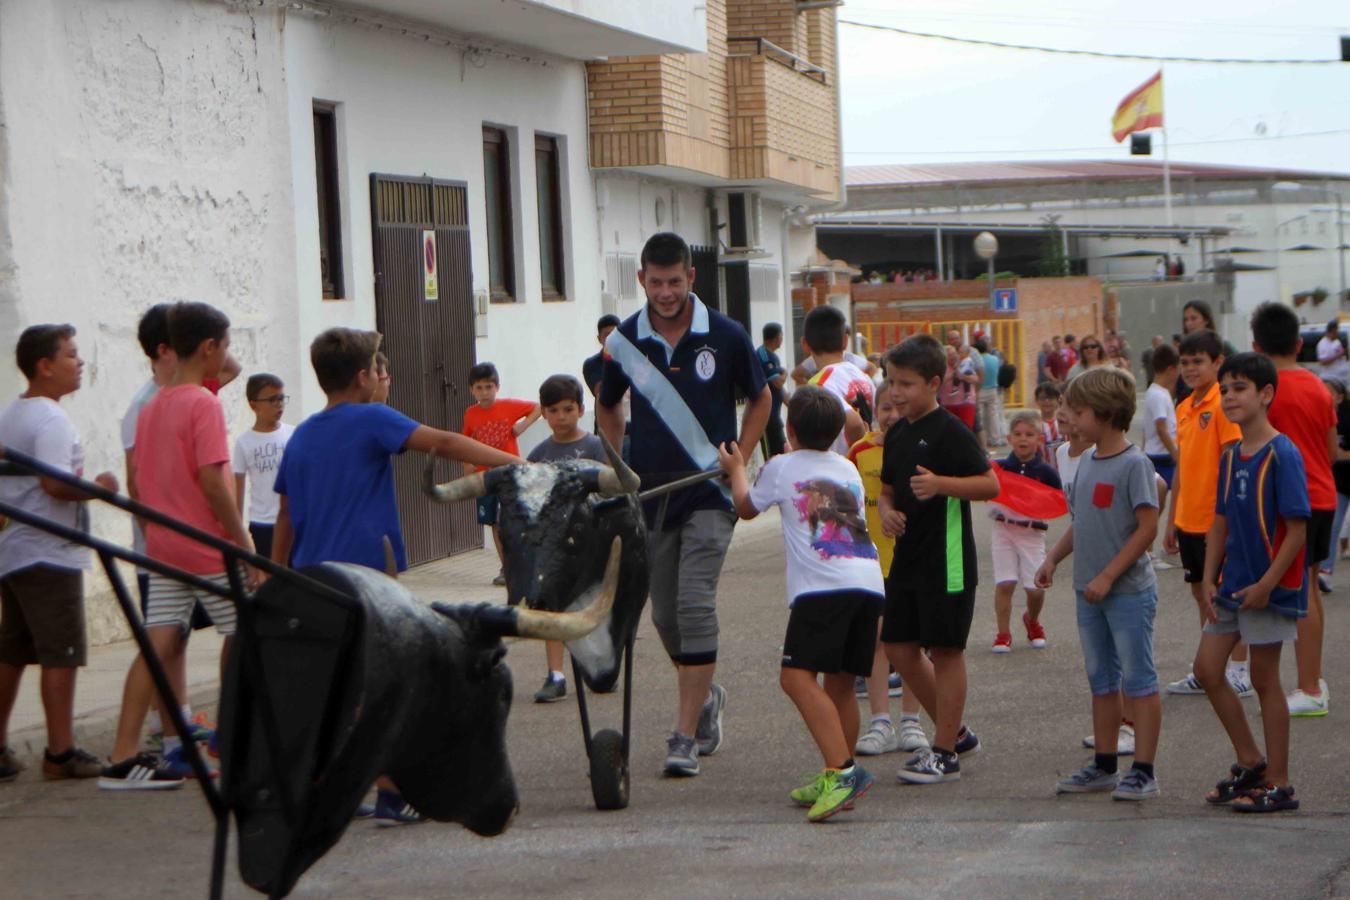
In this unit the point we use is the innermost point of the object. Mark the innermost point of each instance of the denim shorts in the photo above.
(1117, 639)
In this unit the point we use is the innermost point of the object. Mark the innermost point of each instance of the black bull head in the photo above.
(556, 522)
(320, 698)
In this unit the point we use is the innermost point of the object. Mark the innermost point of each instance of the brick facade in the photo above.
(729, 113)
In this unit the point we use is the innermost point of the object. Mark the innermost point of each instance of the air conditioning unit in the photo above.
(744, 219)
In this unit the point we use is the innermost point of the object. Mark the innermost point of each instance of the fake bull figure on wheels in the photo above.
(556, 521)
(386, 686)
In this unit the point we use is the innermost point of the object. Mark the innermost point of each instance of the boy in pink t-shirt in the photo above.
(181, 468)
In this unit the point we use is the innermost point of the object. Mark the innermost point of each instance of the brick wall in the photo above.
(773, 20)
(1046, 307)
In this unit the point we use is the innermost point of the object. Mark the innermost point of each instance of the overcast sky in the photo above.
(914, 100)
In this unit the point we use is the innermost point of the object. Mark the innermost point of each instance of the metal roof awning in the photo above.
(830, 223)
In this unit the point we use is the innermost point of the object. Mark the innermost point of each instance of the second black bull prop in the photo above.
(557, 523)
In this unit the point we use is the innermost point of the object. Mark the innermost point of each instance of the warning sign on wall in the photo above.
(430, 289)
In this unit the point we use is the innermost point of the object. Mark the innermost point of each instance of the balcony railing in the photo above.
(776, 53)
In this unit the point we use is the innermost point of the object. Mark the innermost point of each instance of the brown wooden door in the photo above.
(429, 342)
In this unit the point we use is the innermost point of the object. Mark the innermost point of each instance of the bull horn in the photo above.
(468, 487)
(570, 626)
(622, 480)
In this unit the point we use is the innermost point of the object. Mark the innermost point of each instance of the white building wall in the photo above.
(406, 107)
(146, 160)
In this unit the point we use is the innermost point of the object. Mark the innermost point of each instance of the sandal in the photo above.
(1268, 799)
(1242, 781)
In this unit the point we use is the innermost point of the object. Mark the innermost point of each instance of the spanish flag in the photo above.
(1141, 110)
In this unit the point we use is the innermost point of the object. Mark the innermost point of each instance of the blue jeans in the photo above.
(1117, 639)
(1329, 564)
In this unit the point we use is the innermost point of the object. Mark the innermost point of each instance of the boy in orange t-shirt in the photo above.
(1203, 433)
(496, 423)
(1304, 412)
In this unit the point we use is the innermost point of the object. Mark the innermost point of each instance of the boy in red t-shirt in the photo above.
(1303, 410)
(181, 468)
(496, 423)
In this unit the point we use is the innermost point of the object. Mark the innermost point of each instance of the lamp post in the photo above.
(986, 247)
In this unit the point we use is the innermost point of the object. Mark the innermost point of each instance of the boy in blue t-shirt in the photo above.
(336, 481)
(1260, 527)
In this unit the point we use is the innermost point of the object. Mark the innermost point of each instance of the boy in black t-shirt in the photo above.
(931, 469)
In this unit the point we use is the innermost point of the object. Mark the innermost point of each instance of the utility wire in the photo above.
(1099, 148)
(1099, 54)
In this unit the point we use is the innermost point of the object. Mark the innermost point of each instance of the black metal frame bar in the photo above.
(16, 463)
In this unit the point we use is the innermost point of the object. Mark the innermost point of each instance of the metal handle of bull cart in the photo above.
(663, 491)
(15, 463)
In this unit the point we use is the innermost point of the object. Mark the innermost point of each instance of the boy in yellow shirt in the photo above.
(881, 736)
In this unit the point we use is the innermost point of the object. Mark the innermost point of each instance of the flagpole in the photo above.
(1167, 165)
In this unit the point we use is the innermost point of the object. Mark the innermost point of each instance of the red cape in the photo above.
(1029, 497)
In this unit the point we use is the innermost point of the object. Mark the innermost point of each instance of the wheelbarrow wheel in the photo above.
(609, 770)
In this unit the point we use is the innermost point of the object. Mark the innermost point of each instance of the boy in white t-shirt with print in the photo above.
(835, 588)
(257, 457)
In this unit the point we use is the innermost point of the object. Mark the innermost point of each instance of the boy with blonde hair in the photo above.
(1114, 503)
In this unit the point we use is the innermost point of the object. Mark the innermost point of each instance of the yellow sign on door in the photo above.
(430, 286)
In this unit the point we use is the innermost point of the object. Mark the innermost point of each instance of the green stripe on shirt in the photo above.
(956, 559)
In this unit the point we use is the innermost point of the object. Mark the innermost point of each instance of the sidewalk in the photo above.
(466, 578)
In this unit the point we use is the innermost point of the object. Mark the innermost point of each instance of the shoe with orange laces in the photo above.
(1035, 632)
(1002, 643)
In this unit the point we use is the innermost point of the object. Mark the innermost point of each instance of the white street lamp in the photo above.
(986, 247)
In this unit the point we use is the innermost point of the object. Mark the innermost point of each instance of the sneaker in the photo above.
(894, 686)
(1135, 785)
(966, 742)
(500, 579)
(1324, 583)
(860, 686)
(930, 767)
(708, 733)
(74, 763)
(175, 762)
(838, 790)
(1303, 705)
(1035, 632)
(880, 738)
(1002, 643)
(681, 756)
(554, 689)
(1241, 683)
(391, 809)
(912, 737)
(10, 766)
(365, 811)
(812, 787)
(1188, 685)
(1124, 742)
(1088, 780)
(139, 773)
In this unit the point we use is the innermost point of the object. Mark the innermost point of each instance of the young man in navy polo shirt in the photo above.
(684, 364)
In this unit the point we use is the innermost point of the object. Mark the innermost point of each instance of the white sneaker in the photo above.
(880, 738)
(1322, 686)
(1124, 741)
(1188, 685)
(912, 737)
(1241, 683)
(1306, 706)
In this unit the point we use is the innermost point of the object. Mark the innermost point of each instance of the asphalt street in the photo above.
(1000, 831)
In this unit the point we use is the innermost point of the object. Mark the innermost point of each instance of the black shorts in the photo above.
(262, 538)
(42, 617)
(1192, 555)
(833, 631)
(1319, 536)
(930, 618)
